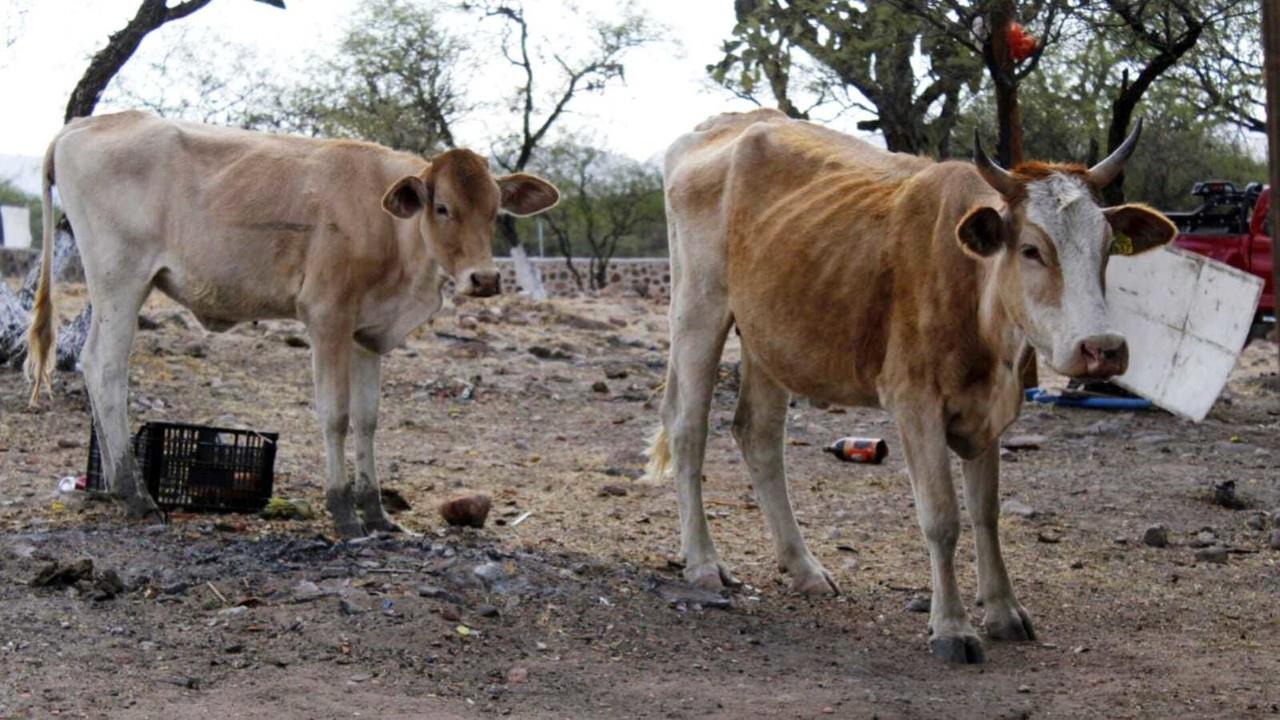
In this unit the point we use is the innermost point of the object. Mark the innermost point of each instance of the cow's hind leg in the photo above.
(699, 325)
(952, 637)
(1006, 619)
(331, 363)
(759, 426)
(105, 359)
(366, 390)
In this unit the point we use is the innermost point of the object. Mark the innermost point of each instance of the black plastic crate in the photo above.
(196, 467)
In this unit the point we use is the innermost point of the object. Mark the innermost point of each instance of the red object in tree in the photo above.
(1021, 45)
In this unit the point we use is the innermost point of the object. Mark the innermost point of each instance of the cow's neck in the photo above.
(1006, 345)
(416, 298)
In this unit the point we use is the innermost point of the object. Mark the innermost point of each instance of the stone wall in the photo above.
(646, 277)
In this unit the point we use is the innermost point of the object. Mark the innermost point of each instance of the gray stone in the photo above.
(1204, 538)
(306, 591)
(1256, 521)
(1275, 539)
(919, 604)
(1024, 442)
(1215, 554)
(1156, 536)
(1015, 507)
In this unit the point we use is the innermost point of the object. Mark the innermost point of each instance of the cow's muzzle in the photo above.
(481, 283)
(1102, 356)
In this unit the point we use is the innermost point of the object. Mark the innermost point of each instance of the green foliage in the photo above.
(392, 82)
(1066, 114)
(610, 206)
(11, 195)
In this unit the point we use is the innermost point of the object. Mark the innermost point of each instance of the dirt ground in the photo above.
(577, 611)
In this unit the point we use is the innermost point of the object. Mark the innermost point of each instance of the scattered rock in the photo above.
(582, 323)
(487, 611)
(196, 350)
(919, 604)
(1204, 538)
(107, 584)
(490, 573)
(545, 353)
(1049, 536)
(351, 606)
(1021, 509)
(450, 613)
(600, 386)
(307, 591)
(1024, 442)
(613, 491)
(680, 594)
(467, 511)
(146, 323)
(1215, 554)
(1224, 494)
(437, 593)
(517, 675)
(68, 443)
(392, 501)
(296, 341)
(1257, 521)
(58, 574)
(1275, 539)
(616, 372)
(1156, 536)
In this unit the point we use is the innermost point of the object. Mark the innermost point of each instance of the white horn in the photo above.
(996, 176)
(1106, 171)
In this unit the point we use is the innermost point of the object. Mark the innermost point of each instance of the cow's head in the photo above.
(456, 201)
(1050, 242)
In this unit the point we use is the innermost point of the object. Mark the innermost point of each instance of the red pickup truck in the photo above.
(1232, 226)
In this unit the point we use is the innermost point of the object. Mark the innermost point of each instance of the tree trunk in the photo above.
(1000, 66)
(1271, 55)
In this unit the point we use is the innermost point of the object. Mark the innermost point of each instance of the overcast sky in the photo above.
(666, 91)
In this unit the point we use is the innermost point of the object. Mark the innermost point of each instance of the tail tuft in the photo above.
(659, 455)
(40, 335)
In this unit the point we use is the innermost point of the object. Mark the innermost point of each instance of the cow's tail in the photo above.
(659, 455)
(40, 335)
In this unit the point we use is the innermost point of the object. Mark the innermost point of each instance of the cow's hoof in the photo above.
(712, 576)
(384, 524)
(815, 582)
(1015, 627)
(963, 649)
(141, 507)
(349, 530)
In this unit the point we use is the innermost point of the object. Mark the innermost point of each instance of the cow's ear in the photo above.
(524, 194)
(982, 232)
(406, 197)
(1137, 229)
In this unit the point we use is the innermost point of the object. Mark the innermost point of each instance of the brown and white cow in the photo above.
(860, 277)
(351, 238)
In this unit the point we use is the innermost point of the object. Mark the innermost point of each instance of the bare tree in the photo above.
(605, 198)
(151, 15)
(104, 66)
(592, 72)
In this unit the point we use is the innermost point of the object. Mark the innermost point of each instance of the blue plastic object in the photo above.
(1092, 402)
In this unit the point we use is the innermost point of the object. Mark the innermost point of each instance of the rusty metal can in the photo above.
(871, 451)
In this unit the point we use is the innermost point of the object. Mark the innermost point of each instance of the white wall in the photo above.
(17, 226)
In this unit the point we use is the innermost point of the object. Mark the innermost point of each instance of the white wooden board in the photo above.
(17, 226)
(1186, 318)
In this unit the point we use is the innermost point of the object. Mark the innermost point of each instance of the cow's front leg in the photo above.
(952, 637)
(331, 360)
(366, 390)
(1005, 618)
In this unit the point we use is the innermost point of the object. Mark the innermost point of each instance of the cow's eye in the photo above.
(442, 211)
(1031, 252)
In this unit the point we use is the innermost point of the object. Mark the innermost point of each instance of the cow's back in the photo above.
(830, 246)
(230, 222)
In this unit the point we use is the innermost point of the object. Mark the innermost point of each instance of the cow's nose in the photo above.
(1105, 355)
(485, 283)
